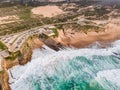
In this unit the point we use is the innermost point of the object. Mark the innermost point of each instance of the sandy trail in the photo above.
(8, 19)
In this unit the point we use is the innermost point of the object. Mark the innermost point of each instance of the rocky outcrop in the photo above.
(28, 48)
(26, 53)
(0, 87)
(53, 44)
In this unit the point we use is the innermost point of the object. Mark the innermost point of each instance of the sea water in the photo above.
(69, 69)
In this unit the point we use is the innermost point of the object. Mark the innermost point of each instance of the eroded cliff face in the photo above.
(26, 52)
(27, 49)
(66, 38)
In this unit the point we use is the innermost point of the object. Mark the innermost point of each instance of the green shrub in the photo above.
(43, 36)
(13, 55)
(55, 31)
(2, 46)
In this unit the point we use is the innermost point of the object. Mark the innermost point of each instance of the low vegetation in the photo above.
(76, 27)
(98, 13)
(43, 36)
(2, 46)
(13, 55)
(25, 21)
(55, 31)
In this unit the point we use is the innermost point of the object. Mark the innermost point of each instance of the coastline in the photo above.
(67, 39)
(33, 43)
(85, 26)
(81, 40)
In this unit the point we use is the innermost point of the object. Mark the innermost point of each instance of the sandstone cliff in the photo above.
(26, 52)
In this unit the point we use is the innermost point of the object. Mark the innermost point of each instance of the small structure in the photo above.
(51, 34)
(4, 53)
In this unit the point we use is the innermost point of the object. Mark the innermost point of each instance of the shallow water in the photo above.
(69, 69)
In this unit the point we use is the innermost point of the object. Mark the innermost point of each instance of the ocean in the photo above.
(90, 68)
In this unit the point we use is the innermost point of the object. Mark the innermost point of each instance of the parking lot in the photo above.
(15, 41)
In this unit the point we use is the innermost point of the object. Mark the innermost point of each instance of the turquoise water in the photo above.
(77, 74)
(72, 69)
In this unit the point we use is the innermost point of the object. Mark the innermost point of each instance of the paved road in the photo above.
(14, 41)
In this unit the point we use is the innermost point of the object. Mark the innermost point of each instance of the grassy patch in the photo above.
(2, 46)
(25, 14)
(25, 21)
(55, 31)
(13, 55)
(43, 36)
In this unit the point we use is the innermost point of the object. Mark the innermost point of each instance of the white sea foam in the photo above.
(42, 59)
(109, 76)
